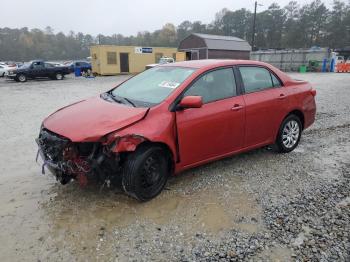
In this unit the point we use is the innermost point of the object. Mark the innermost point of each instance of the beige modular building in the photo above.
(113, 60)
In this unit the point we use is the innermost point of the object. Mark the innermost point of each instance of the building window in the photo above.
(111, 58)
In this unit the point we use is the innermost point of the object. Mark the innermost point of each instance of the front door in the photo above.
(218, 127)
(38, 69)
(124, 62)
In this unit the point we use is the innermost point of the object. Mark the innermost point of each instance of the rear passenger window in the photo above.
(257, 78)
(213, 86)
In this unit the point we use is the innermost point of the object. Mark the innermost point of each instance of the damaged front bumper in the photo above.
(53, 167)
(80, 161)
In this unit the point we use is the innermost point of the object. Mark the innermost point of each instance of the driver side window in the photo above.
(213, 86)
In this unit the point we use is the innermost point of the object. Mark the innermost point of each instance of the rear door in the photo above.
(266, 103)
(218, 126)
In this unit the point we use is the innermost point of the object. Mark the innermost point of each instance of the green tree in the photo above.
(236, 23)
(291, 32)
(337, 26)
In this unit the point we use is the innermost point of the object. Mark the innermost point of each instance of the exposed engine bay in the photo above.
(80, 161)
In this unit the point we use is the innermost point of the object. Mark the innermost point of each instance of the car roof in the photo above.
(212, 63)
(203, 65)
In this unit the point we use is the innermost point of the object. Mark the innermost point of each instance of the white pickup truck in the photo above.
(162, 61)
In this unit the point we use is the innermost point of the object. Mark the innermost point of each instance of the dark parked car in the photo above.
(37, 69)
(174, 117)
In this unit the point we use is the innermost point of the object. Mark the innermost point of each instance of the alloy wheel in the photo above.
(290, 134)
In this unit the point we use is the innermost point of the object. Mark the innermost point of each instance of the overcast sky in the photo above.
(115, 16)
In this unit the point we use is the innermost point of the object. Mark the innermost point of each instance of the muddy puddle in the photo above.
(68, 221)
(204, 210)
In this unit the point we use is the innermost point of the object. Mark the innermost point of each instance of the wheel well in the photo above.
(299, 114)
(166, 149)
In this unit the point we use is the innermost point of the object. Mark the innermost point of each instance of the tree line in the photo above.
(291, 26)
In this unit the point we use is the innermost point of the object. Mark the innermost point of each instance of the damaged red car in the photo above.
(174, 117)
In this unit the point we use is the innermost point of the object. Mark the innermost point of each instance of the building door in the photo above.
(195, 55)
(192, 55)
(158, 57)
(124, 62)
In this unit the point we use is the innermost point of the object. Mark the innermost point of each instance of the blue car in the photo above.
(83, 65)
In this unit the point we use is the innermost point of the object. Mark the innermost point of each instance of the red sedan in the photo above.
(174, 117)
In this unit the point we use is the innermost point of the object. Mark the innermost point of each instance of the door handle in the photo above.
(282, 96)
(236, 107)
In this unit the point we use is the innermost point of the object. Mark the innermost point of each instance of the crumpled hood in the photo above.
(91, 119)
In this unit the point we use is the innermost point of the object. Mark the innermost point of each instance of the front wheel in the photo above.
(289, 134)
(22, 78)
(145, 172)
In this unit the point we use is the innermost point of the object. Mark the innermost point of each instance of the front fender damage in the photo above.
(99, 161)
(127, 143)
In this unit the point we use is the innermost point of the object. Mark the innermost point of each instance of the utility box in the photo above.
(114, 60)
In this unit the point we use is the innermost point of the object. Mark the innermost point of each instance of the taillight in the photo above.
(313, 92)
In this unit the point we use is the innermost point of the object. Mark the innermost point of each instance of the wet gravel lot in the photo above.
(258, 206)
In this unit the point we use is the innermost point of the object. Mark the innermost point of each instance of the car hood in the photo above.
(91, 119)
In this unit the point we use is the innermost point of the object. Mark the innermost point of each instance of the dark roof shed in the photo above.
(215, 42)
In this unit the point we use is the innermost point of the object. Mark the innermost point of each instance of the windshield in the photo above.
(154, 85)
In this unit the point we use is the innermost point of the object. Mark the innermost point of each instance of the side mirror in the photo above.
(191, 102)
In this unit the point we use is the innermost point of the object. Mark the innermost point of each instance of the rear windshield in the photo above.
(154, 85)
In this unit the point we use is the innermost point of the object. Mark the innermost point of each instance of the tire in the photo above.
(289, 134)
(145, 172)
(59, 76)
(22, 78)
(3, 74)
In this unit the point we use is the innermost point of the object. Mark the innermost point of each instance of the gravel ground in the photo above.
(258, 206)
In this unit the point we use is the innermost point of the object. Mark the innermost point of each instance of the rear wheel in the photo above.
(289, 134)
(59, 76)
(22, 78)
(145, 172)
